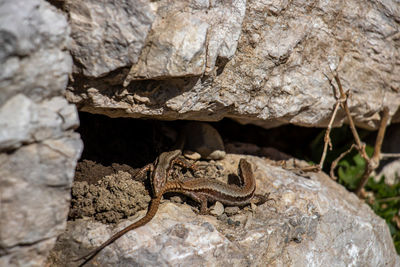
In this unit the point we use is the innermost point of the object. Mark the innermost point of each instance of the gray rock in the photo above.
(311, 221)
(33, 56)
(390, 167)
(391, 171)
(185, 38)
(108, 35)
(22, 121)
(279, 73)
(177, 49)
(188, 37)
(217, 209)
(34, 191)
(203, 138)
(38, 148)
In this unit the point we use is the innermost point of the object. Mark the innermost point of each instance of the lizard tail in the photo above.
(155, 202)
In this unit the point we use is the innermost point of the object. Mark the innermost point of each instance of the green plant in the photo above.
(386, 203)
(351, 168)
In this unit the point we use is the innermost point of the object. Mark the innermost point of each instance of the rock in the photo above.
(390, 167)
(38, 146)
(231, 210)
(22, 121)
(107, 35)
(177, 48)
(158, 39)
(217, 209)
(310, 221)
(192, 155)
(278, 74)
(203, 138)
(35, 181)
(391, 171)
(33, 56)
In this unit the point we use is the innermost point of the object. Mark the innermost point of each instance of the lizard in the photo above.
(201, 190)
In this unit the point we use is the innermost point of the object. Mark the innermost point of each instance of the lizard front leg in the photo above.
(141, 173)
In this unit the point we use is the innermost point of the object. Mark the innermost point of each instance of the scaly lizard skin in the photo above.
(201, 190)
(161, 169)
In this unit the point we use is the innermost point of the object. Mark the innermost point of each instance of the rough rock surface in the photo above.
(310, 221)
(33, 56)
(108, 34)
(188, 37)
(280, 71)
(157, 38)
(38, 148)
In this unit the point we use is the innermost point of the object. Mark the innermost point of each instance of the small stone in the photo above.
(217, 209)
(176, 199)
(233, 222)
(192, 155)
(208, 226)
(232, 210)
(223, 217)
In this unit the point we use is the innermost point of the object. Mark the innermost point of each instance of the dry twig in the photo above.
(373, 162)
(336, 161)
(327, 139)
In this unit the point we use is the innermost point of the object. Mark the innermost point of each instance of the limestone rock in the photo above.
(34, 192)
(204, 139)
(188, 37)
(391, 171)
(157, 38)
(310, 221)
(280, 70)
(38, 148)
(108, 35)
(390, 168)
(33, 56)
(22, 121)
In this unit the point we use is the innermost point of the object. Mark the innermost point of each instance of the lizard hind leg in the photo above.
(200, 198)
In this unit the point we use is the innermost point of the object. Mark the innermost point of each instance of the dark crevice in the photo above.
(136, 142)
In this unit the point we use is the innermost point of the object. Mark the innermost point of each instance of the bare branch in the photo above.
(381, 135)
(343, 95)
(373, 163)
(336, 161)
(327, 139)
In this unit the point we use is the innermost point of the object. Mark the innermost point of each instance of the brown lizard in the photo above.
(201, 190)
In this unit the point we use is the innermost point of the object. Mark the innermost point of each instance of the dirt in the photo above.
(108, 194)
